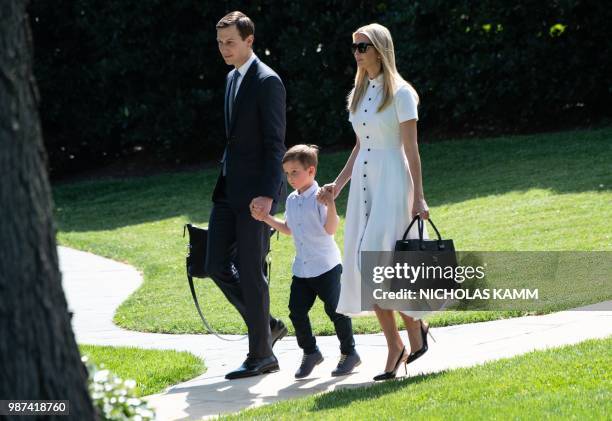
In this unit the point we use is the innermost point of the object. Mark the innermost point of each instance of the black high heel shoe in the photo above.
(387, 375)
(419, 353)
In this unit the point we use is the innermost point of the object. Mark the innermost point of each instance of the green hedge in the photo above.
(143, 79)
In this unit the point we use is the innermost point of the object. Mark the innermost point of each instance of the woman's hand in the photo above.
(420, 207)
(329, 188)
(325, 196)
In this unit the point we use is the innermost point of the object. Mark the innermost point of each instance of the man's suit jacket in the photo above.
(255, 139)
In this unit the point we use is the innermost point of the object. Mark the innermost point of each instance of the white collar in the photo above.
(245, 67)
(310, 191)
(377, 81)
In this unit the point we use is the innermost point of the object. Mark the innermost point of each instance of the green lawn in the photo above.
(573, 382)
(152, 370)
(538, 192)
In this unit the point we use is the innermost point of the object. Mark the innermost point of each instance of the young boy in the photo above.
(317, 263)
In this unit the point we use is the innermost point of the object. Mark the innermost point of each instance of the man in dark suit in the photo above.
(251, 180)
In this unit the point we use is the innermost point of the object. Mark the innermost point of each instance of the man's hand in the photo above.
(260, 207)
(256, 214)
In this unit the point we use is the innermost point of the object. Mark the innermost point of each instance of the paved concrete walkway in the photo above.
(95, 286)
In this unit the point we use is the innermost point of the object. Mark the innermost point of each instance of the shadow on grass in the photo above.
(348, 394)
(453, 172)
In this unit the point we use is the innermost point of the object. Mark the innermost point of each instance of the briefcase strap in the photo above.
(208, 326)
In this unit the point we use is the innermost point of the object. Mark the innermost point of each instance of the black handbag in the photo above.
(428, 253)
(420, 244)
(195, 264)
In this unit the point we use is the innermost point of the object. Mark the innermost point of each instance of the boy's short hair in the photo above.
(307, 155)
(243, 23)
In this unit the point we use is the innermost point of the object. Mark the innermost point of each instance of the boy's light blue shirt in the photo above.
(316, 250)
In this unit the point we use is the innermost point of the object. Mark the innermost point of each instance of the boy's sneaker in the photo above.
(346, 364)
(309, 361)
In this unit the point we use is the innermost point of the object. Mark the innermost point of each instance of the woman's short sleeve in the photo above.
(406, 100)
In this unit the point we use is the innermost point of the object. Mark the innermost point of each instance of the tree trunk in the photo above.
(39, 358)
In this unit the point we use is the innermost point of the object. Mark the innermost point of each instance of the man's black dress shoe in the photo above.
(278, 332)
(254, 367)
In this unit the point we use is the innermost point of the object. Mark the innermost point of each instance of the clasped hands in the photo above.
(260, 207)
(327, 194)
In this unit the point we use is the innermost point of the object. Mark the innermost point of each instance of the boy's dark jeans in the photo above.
(304, 291)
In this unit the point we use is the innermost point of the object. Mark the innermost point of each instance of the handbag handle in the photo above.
(420, 225)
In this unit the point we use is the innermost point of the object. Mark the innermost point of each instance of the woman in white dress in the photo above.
(386, 190)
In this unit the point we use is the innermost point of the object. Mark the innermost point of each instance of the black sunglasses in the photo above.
(361, 46)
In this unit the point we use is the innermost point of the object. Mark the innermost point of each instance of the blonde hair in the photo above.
(392, 80)
(307, 155)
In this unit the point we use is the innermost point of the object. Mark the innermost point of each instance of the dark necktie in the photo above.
(229, 108)
(233, 93)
